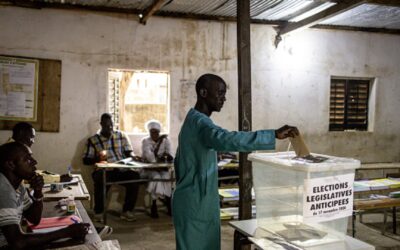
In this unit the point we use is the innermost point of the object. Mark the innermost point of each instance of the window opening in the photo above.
(349, 104)
(138, 96)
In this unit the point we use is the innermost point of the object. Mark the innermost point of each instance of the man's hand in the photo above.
(286, 131)
(78, 231)
(137, 158)
(162, 137)
(133, 156)
(37, 184)
(101, 156)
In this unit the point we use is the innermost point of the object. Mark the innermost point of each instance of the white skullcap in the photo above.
(153, 124)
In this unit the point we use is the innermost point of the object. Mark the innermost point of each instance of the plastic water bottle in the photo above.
(69, 170)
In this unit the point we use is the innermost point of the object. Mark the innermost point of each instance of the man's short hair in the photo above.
(21, 127)
(105, 116)
(9, 151)
(205, 80)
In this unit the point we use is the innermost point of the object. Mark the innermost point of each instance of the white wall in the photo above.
(290, 84)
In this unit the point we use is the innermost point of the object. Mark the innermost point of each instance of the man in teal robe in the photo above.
(195, 200)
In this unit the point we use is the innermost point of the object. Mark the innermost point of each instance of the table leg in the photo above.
(236, 240)
(384, 221)
(394, 220)
(104, 197)
(240, 241)
(353, 223)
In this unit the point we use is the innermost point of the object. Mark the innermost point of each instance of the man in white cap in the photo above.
(156, 148)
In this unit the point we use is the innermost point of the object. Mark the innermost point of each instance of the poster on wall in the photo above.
(328, 198)
(18, 88)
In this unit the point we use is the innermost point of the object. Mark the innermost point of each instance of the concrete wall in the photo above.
(289, 84)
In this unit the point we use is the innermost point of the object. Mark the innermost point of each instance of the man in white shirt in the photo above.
(156, 148)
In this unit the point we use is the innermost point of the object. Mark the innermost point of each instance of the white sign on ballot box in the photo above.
(328, 198)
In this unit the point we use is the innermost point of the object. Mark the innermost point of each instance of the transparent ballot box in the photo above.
(305, 203)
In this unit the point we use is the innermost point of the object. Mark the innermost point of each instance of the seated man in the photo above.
(111, 145)
(156, 148)
(17, 164)
(24, 133)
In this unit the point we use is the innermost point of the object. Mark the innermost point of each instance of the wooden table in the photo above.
(50, 209)
(372, 204)
(379, 166)
(77, 189)
(138, 166)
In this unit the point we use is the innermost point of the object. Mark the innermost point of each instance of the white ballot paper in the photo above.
(299, 146)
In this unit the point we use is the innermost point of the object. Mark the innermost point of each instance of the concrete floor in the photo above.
(147, 233)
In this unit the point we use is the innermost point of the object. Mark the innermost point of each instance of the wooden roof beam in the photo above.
(148, 12)
(362, 29)
(314, 4)
(312, 20)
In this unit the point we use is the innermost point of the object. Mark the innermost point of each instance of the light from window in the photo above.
(349, 104)
(136, 97)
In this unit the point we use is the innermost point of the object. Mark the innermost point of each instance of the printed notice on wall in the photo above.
(18, 88)
(328, 198)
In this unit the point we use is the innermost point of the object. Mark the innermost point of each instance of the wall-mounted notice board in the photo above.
(30, 91)
(18, 88)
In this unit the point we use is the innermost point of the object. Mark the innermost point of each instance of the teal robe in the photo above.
(196, 213)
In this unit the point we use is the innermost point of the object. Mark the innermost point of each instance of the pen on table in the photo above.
(75, 220)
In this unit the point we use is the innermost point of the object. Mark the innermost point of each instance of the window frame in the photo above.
(357, 86)
(115, 105)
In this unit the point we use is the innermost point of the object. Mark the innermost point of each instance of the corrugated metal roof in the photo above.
(366, 15)
(283, 10)
(224, 8)
(125, 4)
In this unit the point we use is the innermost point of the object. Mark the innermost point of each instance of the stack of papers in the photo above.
(229, 193)
(224, 162)
(394, 194)
(391, 183)
(48, 177)
(360, 186)
(232, 193)
(372, 185)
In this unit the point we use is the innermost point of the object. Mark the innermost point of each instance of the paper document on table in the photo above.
(55, 222)
(125, 161)
(129, 161)
(138, 164)
(299, 146)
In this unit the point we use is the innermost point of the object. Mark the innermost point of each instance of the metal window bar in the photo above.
(114, 100)
(349, 105)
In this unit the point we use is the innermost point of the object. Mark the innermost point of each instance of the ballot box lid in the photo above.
(288, 160)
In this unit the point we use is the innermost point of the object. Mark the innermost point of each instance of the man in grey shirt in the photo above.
(16, 165)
